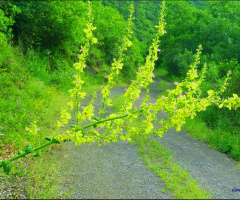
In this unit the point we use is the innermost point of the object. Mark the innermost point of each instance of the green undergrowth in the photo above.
(165, 73)
(34, 178)
(223, 141)
(163, 84)
(27, 99)
(159, 159)
(31, 95)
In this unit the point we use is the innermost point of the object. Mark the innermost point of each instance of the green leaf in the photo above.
(55, 141)
(48, 138)
(96, 118)
(83, 131)
(111, 123)
(7, 169)
(28, 145)
(210, 93)
(29, 150)
(38, 153)
(4, 163)
(6, 166)
(73, 126)
(20, 152)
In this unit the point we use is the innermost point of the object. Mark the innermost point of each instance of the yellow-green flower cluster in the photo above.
(78, 81)
(78, 134)
(144, 77)
(117, 65)
(185, 100)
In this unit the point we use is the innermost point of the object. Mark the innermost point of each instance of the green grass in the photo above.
(165, 73)
(163, 85)
(177, 180)
(161, 71)
(26, 97)
(35, 178)
(217, 139)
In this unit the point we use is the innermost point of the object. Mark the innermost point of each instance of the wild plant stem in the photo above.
(23, 154)
(102, 111)
(105, 120)
(77, 108)
(84, 127)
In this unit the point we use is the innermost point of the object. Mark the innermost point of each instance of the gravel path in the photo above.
(114, 171)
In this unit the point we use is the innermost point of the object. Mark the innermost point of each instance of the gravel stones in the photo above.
(110, 171)
(214, 170)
